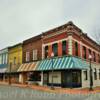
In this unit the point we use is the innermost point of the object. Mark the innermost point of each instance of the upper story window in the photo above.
(35, 52)
(64, 47)
(98, 58)
(6, 57)
(76, 49)
(3, 58)
(94, 56)
(14, 61)
(89, 52)
(27, 56)
(55, 49)
(46, 51)
(84, 52)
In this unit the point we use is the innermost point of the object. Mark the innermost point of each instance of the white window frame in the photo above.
(35, 53)
(27, 56)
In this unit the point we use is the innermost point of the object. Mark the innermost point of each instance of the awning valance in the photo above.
(59, 63)
(13, 68)
(27, 67)
(3, 70)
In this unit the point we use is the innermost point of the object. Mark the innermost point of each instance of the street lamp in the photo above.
(91, 77)
(52, 55)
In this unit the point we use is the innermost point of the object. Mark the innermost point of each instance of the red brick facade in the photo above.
(29, 45)
(78, 40)
(83, 41)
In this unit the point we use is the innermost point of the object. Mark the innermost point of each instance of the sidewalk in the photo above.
(56, 90)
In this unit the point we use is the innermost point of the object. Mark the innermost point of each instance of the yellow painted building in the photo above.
(14, 61)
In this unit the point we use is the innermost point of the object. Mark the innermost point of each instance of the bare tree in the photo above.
(96, 36)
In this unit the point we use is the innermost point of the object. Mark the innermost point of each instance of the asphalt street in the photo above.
(17, 93)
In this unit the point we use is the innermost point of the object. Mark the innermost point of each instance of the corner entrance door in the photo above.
(76, 78)
(71, 78)
(45, 79)
(66, 79)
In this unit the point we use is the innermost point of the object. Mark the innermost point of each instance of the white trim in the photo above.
(47, 44)
(81, 48)
(42, 51)
(70, 45)
(27, 56)
(35, 53)
(56, 33)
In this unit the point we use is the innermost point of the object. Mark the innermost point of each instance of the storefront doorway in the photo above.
(71, 78)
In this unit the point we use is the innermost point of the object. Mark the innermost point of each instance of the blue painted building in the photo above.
(3, 63)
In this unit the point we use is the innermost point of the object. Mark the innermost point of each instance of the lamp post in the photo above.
(91, 77)
(52, 55)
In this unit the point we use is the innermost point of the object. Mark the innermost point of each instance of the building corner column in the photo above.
(42, 82)
(70, 45)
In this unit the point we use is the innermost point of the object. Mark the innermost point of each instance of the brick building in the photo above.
(70, 62)
(32, 53)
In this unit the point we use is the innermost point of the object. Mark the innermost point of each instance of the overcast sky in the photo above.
(22, 19)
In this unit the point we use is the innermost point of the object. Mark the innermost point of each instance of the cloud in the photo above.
(22, 19)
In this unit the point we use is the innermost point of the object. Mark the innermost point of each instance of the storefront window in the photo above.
(55, 49)
(99, 73)
(76, 77)
(95, 74)
(34, 76)
(85, 75)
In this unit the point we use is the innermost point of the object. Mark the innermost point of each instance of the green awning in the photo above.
(60, 63)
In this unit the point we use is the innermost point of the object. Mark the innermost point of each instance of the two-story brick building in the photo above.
(65, 57)
(32, 53)
(61, 57)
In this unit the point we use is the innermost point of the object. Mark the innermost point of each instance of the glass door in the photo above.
(76, 78)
